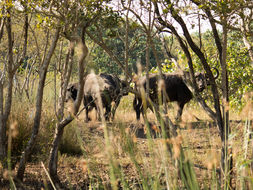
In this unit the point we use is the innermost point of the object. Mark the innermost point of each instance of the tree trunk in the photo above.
(3, 148)
(226, 153)
(246, 28)
(1, 28)
(65, 76)
(36, 124)
(53, 158)
(147, 57)
(222, 118)
(126, 43)
(188, 55)
(5, 111)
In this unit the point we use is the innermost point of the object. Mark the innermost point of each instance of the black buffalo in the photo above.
(110, 88)
(175, 88)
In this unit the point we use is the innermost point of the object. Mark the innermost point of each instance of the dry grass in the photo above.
(83, 156)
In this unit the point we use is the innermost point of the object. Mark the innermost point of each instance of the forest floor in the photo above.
(201, 143)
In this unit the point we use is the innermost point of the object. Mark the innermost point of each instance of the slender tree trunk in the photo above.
(5, 111)
(1, 28)
(3, 148)
(221, 117)
(226, 158)
(226, 154)
(20, 87)
(36, 124)
(53, 158)
(65, 76)
(126, 56)
(147, 56)
(212, 114)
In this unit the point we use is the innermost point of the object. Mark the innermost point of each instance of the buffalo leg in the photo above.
(98, 114)
(137, 104)
(107, 112)
(114, 108)
(180, 110)
(86, 109)
(98, 109)
(87, 114)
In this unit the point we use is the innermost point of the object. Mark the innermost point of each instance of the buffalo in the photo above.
(110, 88)
(175, 88)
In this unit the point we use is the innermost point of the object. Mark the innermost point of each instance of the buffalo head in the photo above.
(71, 92)
(202, 79)
(124, 88)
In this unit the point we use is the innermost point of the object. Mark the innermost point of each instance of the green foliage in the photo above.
(101, 62)
(240, 71)
(113, 37)
(167, 67)
(238, 65)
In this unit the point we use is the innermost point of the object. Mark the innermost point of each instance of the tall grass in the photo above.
(137, 155)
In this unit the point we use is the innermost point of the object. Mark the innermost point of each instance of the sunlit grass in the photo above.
(84, 157)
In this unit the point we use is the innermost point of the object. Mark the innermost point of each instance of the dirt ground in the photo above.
(201, 143)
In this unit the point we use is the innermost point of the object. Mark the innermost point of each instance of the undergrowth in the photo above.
(138, 155)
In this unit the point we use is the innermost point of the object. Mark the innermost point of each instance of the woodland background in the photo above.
(45, 45)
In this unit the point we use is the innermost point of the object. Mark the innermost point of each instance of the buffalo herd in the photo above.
(109, 88)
